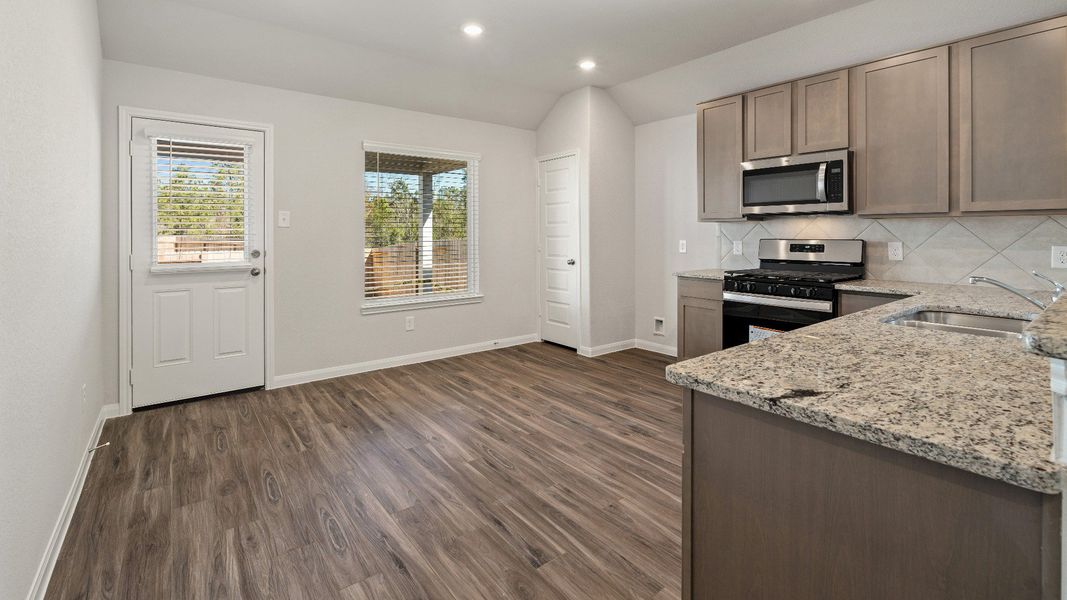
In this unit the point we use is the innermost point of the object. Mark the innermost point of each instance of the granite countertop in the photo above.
(1047, 334)
(702, 274)
(975, 403)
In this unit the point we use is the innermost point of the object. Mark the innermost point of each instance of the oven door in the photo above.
(744, 321)
(795, 185)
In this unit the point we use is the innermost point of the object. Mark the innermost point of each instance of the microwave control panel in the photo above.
(835, 181)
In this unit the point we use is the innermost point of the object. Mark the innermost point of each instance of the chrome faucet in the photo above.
(1055, 294)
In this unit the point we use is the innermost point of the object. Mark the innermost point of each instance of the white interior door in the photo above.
(197, 286)
(560, 310)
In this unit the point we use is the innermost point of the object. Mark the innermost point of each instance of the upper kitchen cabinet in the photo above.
(769, 122)
(822, 112)
(900, 120)
(719, 146)
(1013, 119)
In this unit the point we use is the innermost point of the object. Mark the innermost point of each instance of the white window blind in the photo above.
(420, 226)
(199, 202)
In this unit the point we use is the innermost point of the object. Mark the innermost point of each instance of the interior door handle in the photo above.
(570, 261)
(255, 271)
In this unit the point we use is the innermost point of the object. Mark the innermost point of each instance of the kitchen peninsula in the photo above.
(868, 460)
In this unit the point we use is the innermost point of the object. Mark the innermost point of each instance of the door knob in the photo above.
(255, 271)
(570, 261)
(255, 253)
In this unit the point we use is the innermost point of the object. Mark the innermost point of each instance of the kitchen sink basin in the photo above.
(1003, 327)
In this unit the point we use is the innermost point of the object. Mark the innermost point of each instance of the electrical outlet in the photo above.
(409, 323)
(657, 326)
(738, 248)
(85, 393)
(1059, 257)
(681, 246)
(896, 251)
(283, 218)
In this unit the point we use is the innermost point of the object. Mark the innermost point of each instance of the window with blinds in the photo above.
(199, 202)
(420, 227)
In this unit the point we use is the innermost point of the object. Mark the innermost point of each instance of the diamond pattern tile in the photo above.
(913, 232)
(1003, 269)
(1033, 251)
(1000, 232)
(954, 251)
(937, 250)
(736, 231)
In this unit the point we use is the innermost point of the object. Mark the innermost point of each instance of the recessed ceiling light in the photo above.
(473, 29)
(587, 65)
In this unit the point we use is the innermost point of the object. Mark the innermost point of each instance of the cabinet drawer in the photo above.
(708, 289)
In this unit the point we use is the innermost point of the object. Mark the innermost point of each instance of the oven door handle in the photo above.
(820, 183)
(825, 306)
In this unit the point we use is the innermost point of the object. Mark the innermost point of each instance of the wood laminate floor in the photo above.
(526, 472)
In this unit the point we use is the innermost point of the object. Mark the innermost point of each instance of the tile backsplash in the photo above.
(937, 250)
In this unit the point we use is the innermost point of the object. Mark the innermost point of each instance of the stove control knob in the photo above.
(792, 291)
(772, 288)
(809, 293)
(747, 286)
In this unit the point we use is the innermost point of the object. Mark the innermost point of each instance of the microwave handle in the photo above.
(820, 183)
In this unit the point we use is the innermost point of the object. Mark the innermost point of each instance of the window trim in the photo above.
(473, 294)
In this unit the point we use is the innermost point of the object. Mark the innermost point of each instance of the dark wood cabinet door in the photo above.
(852, 302)
(822, 112)
(699, 327)
(719, 155)
(900, 115)
(769, 122)
(699, 317)
(1013, 119)
(774, 508)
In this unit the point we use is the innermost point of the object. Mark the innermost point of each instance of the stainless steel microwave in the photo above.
(790, 185)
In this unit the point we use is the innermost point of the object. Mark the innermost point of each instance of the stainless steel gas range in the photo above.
(793, 287)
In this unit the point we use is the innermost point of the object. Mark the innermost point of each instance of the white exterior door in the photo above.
(197, 220)
(560, 309)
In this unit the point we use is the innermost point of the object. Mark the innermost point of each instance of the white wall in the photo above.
(665, 187)
(566, 128)
(611, 221)
(589, 121)
(318, 169)
(51, 290)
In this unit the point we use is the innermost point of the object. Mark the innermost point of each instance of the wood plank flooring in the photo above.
(526, 472)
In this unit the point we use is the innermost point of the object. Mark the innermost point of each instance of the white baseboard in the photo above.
(55, 543)
(657, 348)
(593, 351)
(396, 361)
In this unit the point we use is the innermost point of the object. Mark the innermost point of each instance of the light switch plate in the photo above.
(283, 218)
(409, 323)
(681, 246)
(896, 251)
(738, 248)
(1059, 257)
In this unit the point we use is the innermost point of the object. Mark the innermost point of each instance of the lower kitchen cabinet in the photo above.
(699, 317)
(851, 302)
(773, 508)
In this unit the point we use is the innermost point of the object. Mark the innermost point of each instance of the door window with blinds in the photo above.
(199, 203)
(420, 220)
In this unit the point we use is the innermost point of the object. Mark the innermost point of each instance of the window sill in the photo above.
(374, 307)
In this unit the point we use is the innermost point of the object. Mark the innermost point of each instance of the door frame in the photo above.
(582, 295)
(125, 199)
